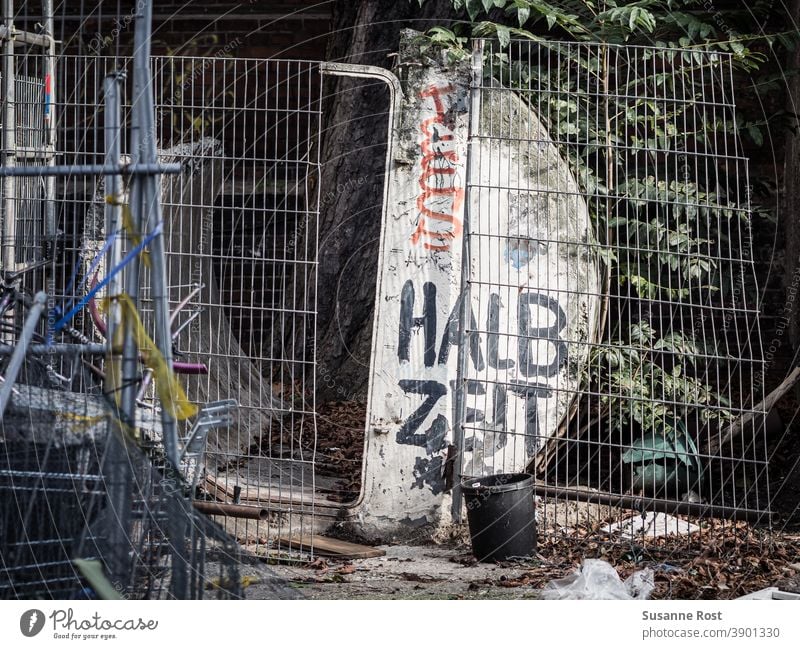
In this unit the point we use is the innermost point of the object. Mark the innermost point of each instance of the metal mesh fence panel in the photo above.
(240, 226)
(611, 281)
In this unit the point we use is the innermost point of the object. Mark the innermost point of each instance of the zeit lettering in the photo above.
(434, 439)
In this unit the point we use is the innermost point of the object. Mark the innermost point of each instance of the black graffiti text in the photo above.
(527, 334)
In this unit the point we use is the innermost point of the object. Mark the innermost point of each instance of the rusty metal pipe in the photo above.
(234, 511)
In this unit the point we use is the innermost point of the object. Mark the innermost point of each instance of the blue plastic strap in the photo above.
(100, 285)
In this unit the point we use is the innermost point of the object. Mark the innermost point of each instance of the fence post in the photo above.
(148, 206)
(117, 471)
(463, 320)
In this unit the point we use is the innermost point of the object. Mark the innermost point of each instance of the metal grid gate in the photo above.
(617, 301)
(244, 232)
(241, 241)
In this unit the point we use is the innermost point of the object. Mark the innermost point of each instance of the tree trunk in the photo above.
(351, 187)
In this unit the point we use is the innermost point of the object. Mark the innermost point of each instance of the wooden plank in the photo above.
(329, 547)
(221, 489)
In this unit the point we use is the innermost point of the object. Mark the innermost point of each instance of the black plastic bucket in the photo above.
(502, 516)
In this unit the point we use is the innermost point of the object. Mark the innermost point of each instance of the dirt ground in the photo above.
(406, 572)
(723, 563)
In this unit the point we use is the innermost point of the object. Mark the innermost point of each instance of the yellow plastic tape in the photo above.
(128, 226)
(81, 423)
(169, 389)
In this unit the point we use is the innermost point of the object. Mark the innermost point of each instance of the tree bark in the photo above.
(351, 187)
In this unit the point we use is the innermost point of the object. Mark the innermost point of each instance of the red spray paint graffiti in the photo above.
(441, 199)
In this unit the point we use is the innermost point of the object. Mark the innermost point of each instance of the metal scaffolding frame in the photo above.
(139, 514)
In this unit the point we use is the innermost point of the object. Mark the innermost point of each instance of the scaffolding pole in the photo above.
(9, 138)
(146, 201)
